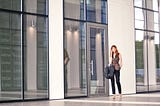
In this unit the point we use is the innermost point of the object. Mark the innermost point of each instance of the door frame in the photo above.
(106, 58)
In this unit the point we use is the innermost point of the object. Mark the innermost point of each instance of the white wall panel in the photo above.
(121, 33)
(56, 80)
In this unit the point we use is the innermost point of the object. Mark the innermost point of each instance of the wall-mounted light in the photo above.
(33, 24)
(151, 37)
(98, 31)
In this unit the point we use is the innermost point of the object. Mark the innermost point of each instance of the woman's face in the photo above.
(113, 49)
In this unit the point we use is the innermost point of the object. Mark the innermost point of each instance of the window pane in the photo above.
(36, 6)
(140, 20)
(139, 14)
(139, 24)
(152, 4)
(36, 57)
(10, 57)
(152, 21)
(11, 4)
(154, 61)
(74, 9)
(141, 71)
(139, 3)
(75, 59)
(97, 11)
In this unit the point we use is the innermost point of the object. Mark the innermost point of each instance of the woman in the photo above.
(116, 61)
(66, 60)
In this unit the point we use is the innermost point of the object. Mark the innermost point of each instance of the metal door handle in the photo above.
(91, 67)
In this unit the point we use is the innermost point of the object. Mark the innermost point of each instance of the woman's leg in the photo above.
(113, 87)
(117, 74)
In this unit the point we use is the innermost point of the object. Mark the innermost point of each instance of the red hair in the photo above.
(114, 46)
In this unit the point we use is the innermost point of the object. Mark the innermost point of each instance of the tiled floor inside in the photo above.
(152, 99)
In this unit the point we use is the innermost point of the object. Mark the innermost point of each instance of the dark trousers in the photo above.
(65, 79)
(117, 76)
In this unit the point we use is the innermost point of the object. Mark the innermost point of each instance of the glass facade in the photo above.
(75, 48)
(147, 45)
(11, 4)
(79, 9)
(96, 11)
(35, 57)
(77, 16)
(36, 6)
(10, 56)
(23, 50)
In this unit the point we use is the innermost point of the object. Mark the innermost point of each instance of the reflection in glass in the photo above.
(147, 61)
(97, 11)
(74, 9)
(36, 58)
(148, 20)
(140, 20)
(139, 14)
(10, 57)
(139, 3)
(147, 46)
(157, 49)
(152, 21)
(140, 68)
(139, 24)
(75, 50)
(11, 4)
(36, 6)
(152, 4)
(96, 59)
(154, 61)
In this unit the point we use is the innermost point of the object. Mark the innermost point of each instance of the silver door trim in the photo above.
(89, 69)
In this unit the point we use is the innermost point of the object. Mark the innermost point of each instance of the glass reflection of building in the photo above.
(147, 45)
(23, 50)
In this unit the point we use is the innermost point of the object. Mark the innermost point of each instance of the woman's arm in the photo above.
(110, 58)
(66, 57)
(120, 60)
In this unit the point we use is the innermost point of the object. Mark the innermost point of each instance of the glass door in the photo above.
(96, 58)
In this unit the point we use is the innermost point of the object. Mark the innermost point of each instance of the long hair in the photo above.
(116, 52)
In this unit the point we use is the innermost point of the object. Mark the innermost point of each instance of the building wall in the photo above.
(56, 75)
(121, 33)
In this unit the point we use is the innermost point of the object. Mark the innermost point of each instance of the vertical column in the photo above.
(145, 54)
(69, 41)
(151, 46)
(56, 73)
(99, 60)
(31, 54)
(74, 71)
(145, 47)
(31, 39)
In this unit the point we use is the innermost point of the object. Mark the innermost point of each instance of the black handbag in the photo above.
(109, 71)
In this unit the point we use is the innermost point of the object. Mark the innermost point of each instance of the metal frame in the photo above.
(147, 31)
(100, 26)
(85, 21)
